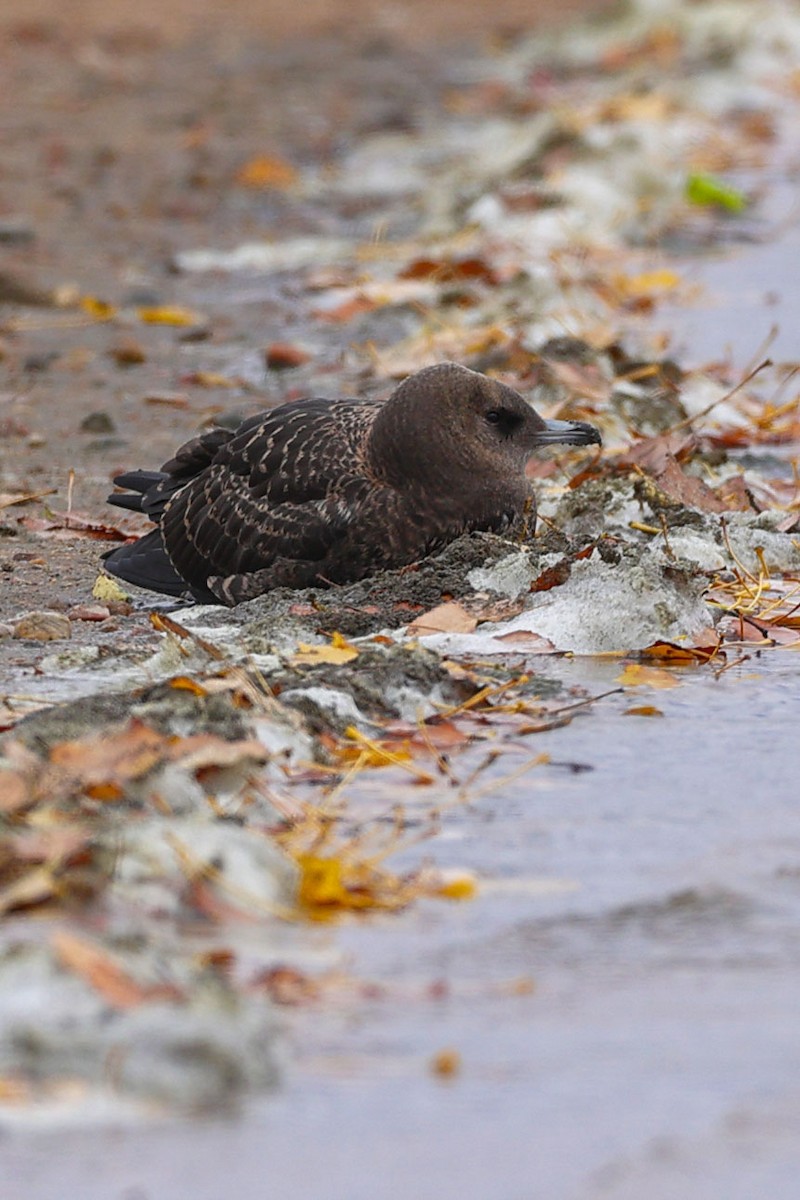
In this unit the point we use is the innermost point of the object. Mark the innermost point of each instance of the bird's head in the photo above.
(456, 421)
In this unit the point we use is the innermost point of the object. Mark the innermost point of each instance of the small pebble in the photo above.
(97, 422)
(43, 627)
(16, 232)
(40, 362)
(282, 355)
(128, 352)
(89, 612)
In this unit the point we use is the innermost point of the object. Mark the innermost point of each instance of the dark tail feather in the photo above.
(145, 563)
(140, 483)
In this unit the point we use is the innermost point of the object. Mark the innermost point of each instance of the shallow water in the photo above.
(652, 901)
(748, 293)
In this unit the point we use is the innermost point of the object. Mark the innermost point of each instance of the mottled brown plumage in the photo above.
(318, 491)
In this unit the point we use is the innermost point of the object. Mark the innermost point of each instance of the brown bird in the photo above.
(327, 491)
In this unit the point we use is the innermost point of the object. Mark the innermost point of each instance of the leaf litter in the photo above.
(236, 781)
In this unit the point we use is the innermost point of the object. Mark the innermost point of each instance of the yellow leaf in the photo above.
(101, 310)
(168, 315)
(457, 885)
(370, 753)
(339, 651)
(332, 885)
(182, 683)
(106, 588)
(446, 1063)
(211, 379)
(643, 710)
(264, 172)
(649, 283)
(636, 675)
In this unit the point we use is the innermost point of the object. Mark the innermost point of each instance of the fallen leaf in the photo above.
(102, 759)
(333, 884)
(636, 675)
(7, 499)
(209, 379)
(688, 490)
(649, 283)
(170, 399)
(338, 651)
(701, 648)
(493, 611)
(353, 306)
(446, 1064)
(456, 885)
(106, 588)
(117, 987)
(100, 310)
(735, 494)
(264, 172)
(68, 525)
(643, 710)
(450, 270)
(705, 190)
(451, 617)
(527, 640)
(286, 985)
(164, 314)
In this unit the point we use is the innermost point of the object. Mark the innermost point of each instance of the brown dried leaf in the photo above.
(7, 499)
(72, 525)
(114, 758)
(106, 976)
(527, 640)
(702, 647)
(688, 489)
(735, 494)
(203, 750)
(450, 270)
(451, 617)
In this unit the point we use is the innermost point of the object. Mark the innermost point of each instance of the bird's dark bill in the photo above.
(570, 433)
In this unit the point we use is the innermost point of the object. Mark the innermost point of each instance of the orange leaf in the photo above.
(704, 646)
(264, 172)
(636, 675)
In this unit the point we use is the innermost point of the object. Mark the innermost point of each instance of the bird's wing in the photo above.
(216, 525)
(299, 453)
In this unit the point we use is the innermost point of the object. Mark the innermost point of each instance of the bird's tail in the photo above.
(145, 563)
(139, 484)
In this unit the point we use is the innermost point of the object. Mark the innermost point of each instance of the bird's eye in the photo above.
(493, 416)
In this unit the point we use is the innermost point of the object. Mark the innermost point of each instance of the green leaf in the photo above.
(705, 190)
